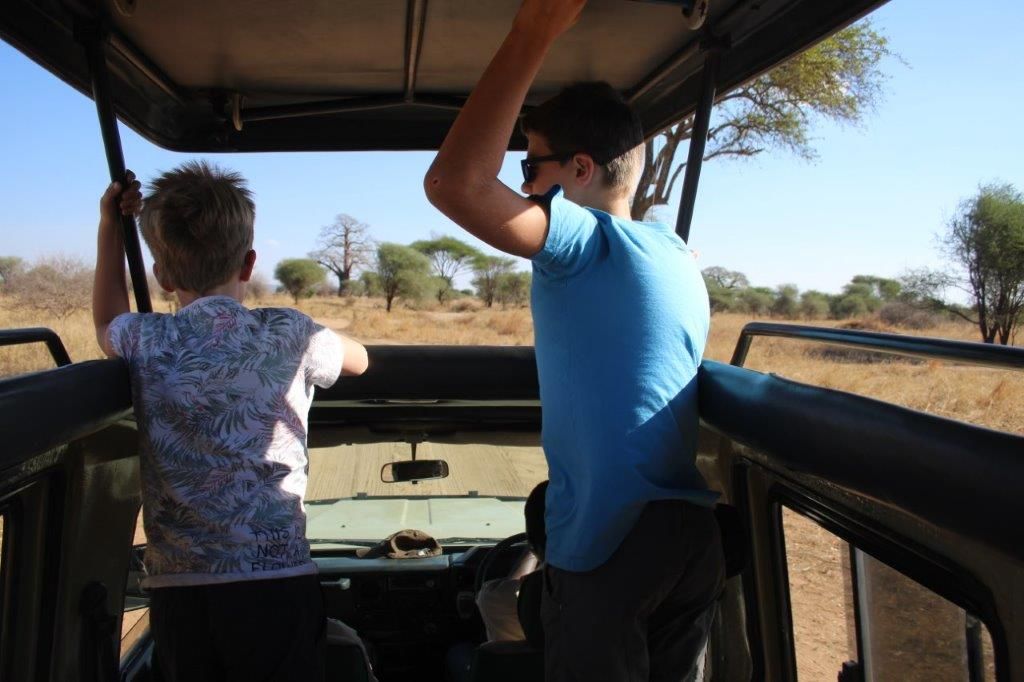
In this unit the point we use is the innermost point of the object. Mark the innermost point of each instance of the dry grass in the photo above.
(989, 397)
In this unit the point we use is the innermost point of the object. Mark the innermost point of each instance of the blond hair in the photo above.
(198, 223)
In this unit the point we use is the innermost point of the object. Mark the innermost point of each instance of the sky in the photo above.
(873, 202)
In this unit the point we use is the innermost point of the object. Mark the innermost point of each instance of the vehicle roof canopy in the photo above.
(387, 74)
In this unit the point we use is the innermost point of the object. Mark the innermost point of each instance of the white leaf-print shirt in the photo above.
(222, 396)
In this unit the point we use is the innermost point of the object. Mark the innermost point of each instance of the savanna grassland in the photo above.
(988, 397)
(820, 596)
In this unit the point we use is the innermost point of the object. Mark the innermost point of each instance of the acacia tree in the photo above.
(449, 257)
(401, 271)
(986, 237)
(343, 247)
(726, 279)
(513, 288)
(299, 277)
(724, 287)
(839, 79)
(488, 272)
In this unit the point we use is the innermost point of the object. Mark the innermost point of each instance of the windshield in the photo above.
(482, 498)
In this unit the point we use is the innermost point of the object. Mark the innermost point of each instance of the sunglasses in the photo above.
(530, 163)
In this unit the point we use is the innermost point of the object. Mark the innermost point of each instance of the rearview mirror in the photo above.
(415, 470)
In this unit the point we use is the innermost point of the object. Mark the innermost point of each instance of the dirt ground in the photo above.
(915, 635)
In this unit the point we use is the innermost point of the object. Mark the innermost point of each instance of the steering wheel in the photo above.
(488, 563)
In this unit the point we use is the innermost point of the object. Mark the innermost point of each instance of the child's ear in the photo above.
(248, 263)
(164, 284)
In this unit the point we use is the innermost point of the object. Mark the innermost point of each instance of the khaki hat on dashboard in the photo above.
(405, 544)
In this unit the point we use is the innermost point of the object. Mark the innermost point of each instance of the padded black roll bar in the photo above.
(989, 355)
(1003, 357)
(92, 34)
(17, 337)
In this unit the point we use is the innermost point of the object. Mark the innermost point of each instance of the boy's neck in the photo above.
(612, 205)
(620, 208)
(235, 290)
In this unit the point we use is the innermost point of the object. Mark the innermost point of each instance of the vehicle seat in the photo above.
(345, 658)
(516, 661)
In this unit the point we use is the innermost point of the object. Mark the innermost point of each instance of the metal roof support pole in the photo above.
(698, 139)
(415, 21)
(92, 37)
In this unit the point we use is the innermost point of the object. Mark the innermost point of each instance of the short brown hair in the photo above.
(198, 223)
(594, 119)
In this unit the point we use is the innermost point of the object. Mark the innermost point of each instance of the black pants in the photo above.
(253, 630)
(645, 613)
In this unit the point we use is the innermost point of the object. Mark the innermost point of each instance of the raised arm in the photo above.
(463, 180)
(110, 290)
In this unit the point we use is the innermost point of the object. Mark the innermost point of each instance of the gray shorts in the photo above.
(645, 613)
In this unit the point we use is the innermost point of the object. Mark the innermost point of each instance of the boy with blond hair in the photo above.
(634, 558)
(221, 396)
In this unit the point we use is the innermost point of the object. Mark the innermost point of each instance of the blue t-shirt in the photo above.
(621, 318)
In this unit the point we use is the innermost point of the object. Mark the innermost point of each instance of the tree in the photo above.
(57, 285)
(448, 257)
(299, 276)
(725, 279)
(371, 284)
(986, 238)
(756, 300)
(401, 271)
(487, 273)
(814, 305)
(513, 288)
(787, 301)
(876, 290)
(724, 287)
(343, 247)
(851, 305)
(722, 300)
(838, 79)
(10, 268)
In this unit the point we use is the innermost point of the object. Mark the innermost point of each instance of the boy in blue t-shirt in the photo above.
(621, 316)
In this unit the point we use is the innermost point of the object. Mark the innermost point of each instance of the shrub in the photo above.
(58, 286)
(907, 316)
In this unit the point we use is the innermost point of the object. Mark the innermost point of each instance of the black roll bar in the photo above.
(698, 140)
(92, 35)
(989, 355)
(17, 337)
(984, 354)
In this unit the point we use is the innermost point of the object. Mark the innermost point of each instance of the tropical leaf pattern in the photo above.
(222, 396)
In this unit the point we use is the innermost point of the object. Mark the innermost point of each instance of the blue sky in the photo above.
(871, 203)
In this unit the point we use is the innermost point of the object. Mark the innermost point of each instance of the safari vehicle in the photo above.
(935, 502)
